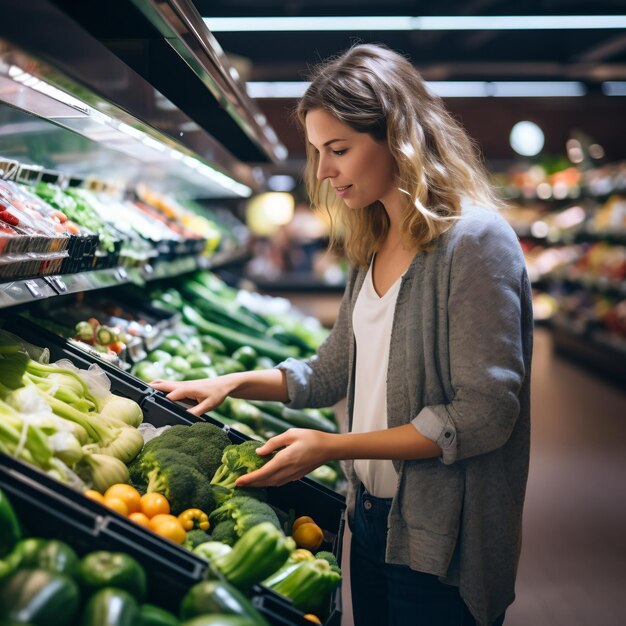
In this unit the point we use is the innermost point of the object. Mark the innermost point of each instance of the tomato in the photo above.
(116, 504)
(127, 493)
(94, 495)
(140, 518)
(168, 526)
(154, 503)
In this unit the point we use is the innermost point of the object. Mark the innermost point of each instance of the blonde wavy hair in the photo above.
(377, 91)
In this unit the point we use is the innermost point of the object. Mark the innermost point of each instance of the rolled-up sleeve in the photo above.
(487, 285)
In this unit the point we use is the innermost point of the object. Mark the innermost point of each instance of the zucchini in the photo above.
(215, 596)
(233, 339)
(293, 417)
(219, 620)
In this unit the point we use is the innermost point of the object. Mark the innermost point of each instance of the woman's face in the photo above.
(359, 168)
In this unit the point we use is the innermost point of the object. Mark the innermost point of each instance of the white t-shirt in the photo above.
(372, 321)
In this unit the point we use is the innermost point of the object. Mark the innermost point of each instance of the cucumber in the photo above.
(293, 417)
(233, 339)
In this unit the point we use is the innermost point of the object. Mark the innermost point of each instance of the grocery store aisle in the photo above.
(573, 566)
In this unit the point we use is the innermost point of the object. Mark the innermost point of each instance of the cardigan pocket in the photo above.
(431, 496)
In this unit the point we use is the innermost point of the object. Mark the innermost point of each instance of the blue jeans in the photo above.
(384, 594)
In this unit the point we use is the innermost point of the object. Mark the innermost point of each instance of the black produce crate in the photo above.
(49, 509)
(122, 383)
(302, 497)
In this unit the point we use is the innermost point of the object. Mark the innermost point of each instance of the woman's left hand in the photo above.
(302, 451)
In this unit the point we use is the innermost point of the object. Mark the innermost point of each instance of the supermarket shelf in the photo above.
(20, 292)
(58, 70)
(25, 291)
(298, 283)
(599, 351)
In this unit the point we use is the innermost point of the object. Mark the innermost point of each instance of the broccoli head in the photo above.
(205, 443)
(195, 537)
(327, 556)
(225, 532)
(174, 475)
(237, 460)
(243, 513)
(202, 441)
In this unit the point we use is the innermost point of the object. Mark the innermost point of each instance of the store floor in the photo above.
(573, 566)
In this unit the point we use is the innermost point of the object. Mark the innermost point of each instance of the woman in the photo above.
(431, 347)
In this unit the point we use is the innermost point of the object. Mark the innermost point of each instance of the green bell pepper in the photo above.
(39, 597)
(112, 569)
(10, 531)
(49, 554)
(151, 615)
(110, 607)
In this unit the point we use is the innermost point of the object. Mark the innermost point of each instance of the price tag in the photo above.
(58, 284)
(33, 287)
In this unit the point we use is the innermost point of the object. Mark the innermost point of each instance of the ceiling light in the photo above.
(407, 22)
(526, 138)
(614, 88)
(445, 89)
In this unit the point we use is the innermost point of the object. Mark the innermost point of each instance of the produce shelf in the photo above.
(92, 525)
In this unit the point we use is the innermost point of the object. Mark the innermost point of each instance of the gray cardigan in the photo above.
(459, 371)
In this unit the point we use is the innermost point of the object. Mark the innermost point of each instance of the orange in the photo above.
(312, 618)
(305, 519)
(168, 526)
(140, 518)
(127, 493)
(308, 535)
(117, 504)
(154, 503)
(94, 495)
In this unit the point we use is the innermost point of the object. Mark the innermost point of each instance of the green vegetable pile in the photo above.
(63, 420)
(44, 582)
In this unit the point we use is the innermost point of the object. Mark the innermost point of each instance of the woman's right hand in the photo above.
(208, 392)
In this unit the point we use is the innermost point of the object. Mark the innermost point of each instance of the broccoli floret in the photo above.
(225, 532)
(237, 460)
(258, 493)
(205, 443)
(243, 513)
(202, 441)
(173, 474)
(327, 556)
(195, 537)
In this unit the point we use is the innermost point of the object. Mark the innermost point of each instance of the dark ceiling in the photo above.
(591, 56)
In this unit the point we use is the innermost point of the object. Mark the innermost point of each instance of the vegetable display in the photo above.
(44, 582)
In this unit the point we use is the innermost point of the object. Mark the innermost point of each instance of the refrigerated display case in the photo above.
(135, 92)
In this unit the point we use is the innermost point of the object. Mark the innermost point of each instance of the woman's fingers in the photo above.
(201, 408)
(162, 385)
(273, 443)
(179, 393)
